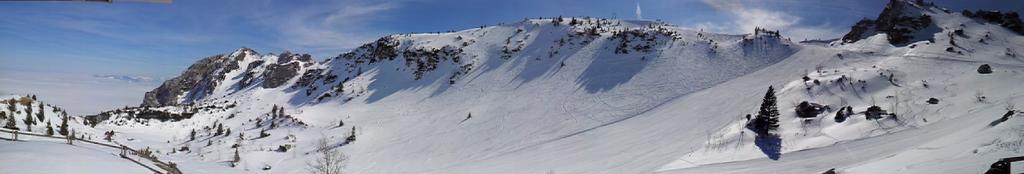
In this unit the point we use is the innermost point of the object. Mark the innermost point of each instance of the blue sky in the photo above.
(46, 45)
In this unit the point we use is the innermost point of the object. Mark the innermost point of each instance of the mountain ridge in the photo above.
(204, 76)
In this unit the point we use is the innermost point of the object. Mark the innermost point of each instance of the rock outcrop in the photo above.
(901, 20)
(276, 74)
(197, 81)
(1009, 20)
(202, 78)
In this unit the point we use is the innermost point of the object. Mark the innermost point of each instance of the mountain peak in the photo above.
(246, 49)
(244, 66)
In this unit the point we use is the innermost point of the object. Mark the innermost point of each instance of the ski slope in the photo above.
(43, 157)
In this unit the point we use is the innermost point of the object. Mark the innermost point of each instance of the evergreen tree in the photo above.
(49, 129)
(192, 136)
(767, 118)
(11, 123)
(227, 132)
(220, 130)
(28, 121)
(63, 129)
(274, 111)
(10, 106)
(351, 136)
(39, 113)
(28, 112)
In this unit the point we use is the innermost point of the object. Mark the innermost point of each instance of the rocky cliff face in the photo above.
(278, 74)
(901, 20)
(1009, 20)
(197, 81)
(205, 76)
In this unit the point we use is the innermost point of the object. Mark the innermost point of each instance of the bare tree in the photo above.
(330, 161)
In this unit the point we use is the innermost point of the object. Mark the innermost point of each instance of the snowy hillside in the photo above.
(587, 95)
(932, 85)
(42, 130)
(446, 98)
(38, 158)
(27, 114)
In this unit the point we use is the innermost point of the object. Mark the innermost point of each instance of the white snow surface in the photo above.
(45, 157)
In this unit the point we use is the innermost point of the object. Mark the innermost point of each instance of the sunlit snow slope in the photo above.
(585, 95)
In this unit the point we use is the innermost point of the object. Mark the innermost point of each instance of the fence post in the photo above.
(123, 155)
(71, 137)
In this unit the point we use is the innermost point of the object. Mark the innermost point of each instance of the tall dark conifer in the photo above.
(39, 113)
(11, 124)
(63, 128)
(220, 130)
(28, 119)
(767, 118)
(49, 129)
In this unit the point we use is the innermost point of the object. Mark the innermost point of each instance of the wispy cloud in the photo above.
(329, 28)
(749, 15)
(113, 24)
(127, 78)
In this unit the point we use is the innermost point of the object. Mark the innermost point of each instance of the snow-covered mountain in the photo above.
(419, 60)
(588, 95)
(483, 91)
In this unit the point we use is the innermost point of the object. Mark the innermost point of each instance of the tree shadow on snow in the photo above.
(770, 145)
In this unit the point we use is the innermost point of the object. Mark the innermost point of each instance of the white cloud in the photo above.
(749, 16)
(710, 27)
(327, 29)
(356, 12)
